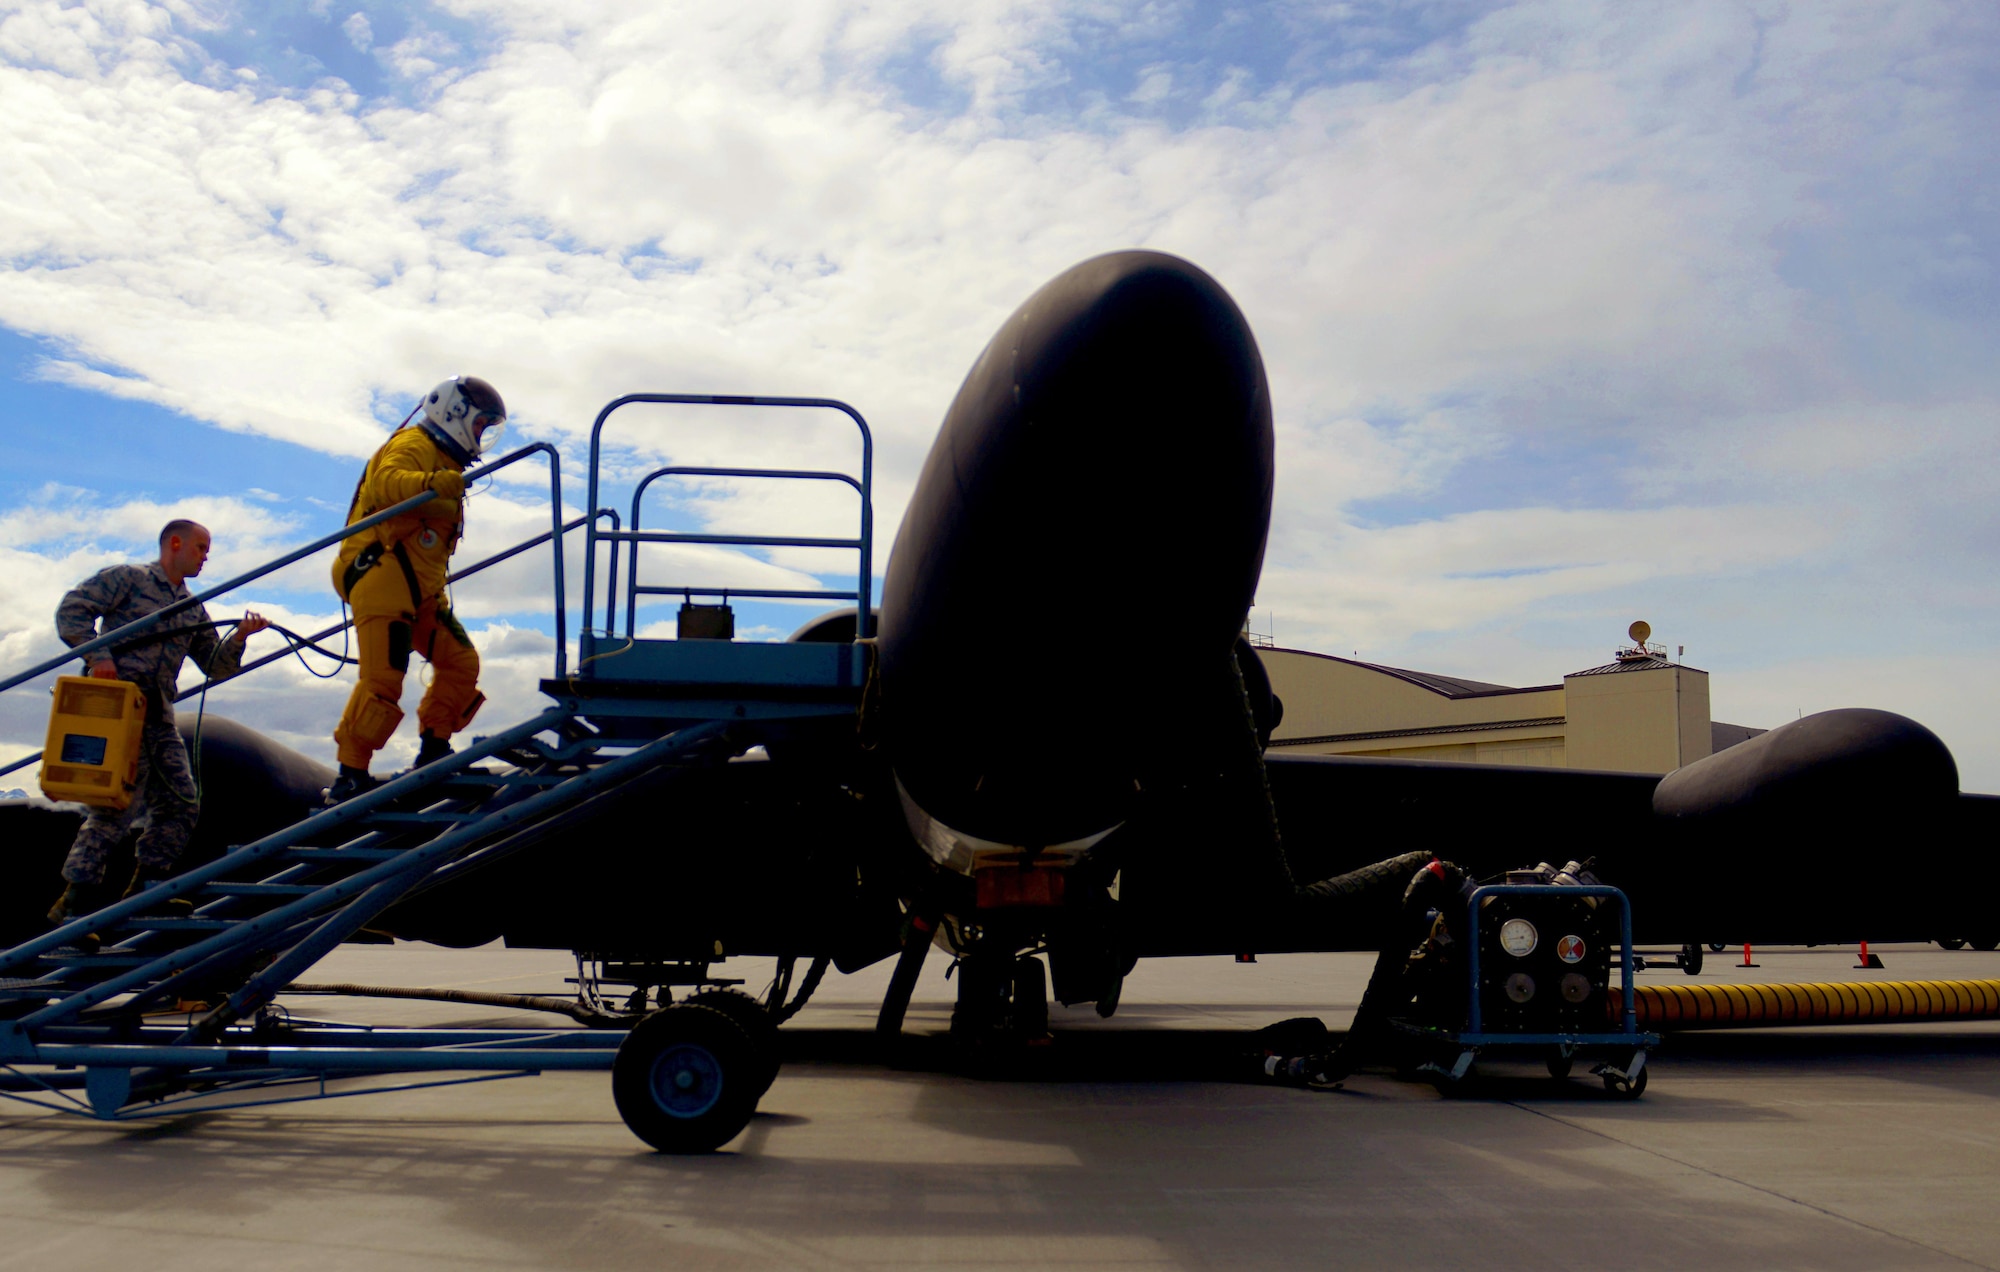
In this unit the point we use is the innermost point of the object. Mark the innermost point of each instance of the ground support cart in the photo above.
(1537, 961)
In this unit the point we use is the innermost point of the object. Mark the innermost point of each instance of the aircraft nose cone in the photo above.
(1108, 459)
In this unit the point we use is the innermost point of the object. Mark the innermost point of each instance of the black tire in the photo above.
(756, 1023)
(1984, 941)
(683, 1079)
(1716, 948)
(1955, 943)
(982, 1015)
(1560, 1066)
(1624, 1090)
(1691, 958)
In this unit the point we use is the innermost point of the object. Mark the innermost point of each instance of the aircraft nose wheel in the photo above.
(686, 1079)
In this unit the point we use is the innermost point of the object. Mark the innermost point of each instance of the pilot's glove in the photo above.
(448, 484)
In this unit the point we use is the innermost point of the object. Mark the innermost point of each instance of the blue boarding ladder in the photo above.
(80, 1005)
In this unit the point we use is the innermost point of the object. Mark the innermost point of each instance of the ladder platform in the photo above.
(727, 667)
(641, 687)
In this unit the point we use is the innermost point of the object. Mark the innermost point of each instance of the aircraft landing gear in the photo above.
(1003, 999)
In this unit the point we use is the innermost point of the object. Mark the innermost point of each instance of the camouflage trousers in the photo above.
(166, 800)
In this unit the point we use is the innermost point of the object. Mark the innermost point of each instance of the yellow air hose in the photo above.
(1846, 1003)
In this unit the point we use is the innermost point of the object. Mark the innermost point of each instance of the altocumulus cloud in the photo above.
(1574, 312)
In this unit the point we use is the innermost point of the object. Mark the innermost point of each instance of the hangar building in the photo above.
(1640, 713)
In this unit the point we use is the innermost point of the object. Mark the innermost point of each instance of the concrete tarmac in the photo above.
(1869, 1147)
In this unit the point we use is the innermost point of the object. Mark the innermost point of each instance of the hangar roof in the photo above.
(1448, 686)
(1652, 662)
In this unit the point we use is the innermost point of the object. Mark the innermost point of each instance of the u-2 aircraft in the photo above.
(1049, 805)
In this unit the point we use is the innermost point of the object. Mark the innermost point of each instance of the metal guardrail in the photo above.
(862, 544)
(634, 590)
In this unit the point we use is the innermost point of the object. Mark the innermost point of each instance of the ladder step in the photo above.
(439, 818)
(176, 925)
(96, 960)
(340, 854)
(261, 889)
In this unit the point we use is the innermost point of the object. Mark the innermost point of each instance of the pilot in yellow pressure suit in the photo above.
(394, 577)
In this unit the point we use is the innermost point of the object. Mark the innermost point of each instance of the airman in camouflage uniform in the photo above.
(115, 596)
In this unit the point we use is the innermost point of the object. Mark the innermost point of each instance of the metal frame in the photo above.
(1628, 1031)
(634, 590)
(132, 1070)
(1609, 1044)
(864, 544)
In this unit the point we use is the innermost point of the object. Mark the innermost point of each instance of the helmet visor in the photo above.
(487, 426)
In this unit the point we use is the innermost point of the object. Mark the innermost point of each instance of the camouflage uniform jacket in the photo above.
(122, 594)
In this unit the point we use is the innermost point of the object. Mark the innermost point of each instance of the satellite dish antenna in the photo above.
(1639, 631)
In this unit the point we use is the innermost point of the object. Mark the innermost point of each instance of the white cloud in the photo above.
(1586, 307)
(417, 55)
(358, 32)
(1156, 84)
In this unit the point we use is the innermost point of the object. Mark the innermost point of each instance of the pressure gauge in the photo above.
(1517, 937)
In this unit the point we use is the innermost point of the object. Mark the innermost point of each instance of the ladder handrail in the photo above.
(294, 645)
(303, 643)
(138, 625)
(865, 544)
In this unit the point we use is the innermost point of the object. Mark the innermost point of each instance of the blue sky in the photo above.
(1575, 312)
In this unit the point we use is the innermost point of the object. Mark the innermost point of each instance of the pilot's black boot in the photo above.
(172, 908)
(351, 782)
(431, 748)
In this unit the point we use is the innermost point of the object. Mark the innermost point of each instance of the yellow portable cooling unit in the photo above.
(92, 755)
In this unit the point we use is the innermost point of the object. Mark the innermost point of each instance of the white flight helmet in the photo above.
(465, 416)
